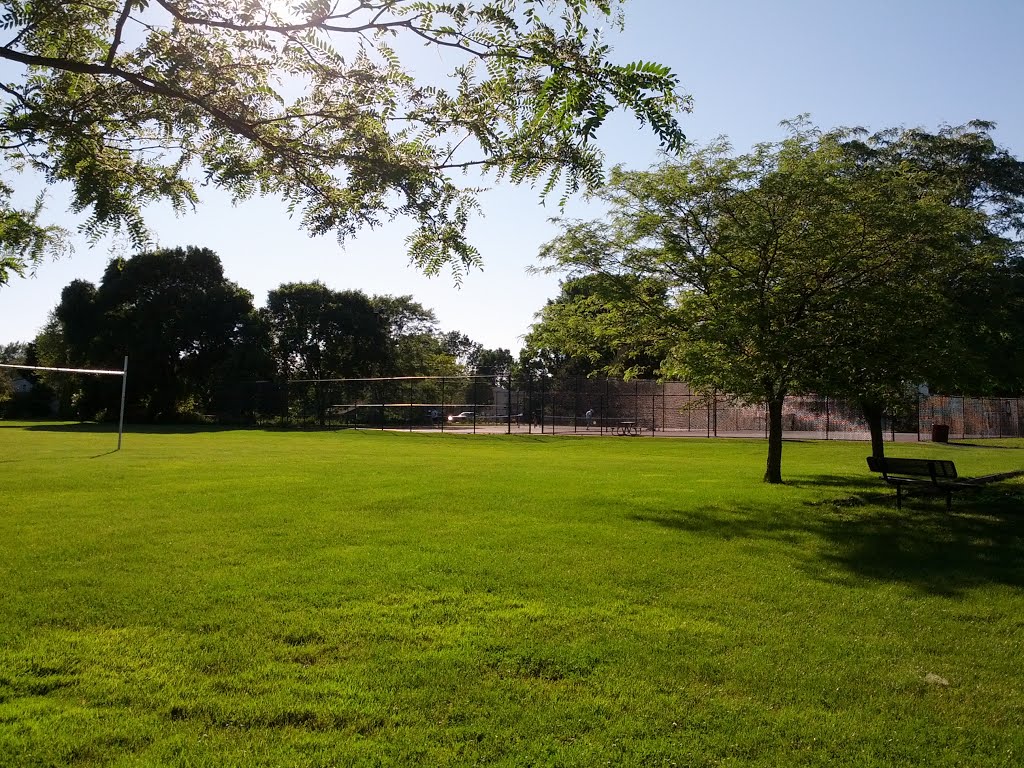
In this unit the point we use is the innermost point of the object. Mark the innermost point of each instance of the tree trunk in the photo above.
(773, 472)
(873, 412)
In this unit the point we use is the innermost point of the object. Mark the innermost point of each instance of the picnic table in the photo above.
(627, 428)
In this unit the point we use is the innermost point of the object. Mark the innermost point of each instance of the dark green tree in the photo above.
(172, 312)
(134, 102)
(942, 311)
(320, 333)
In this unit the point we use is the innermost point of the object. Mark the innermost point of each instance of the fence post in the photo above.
(528, 412)
(636, 404)
(604, 404)
(920, 409)
(284, 400)
(508, 413)
(576, 405)
(654, 407)
(475, 398)
(827, 417)
(542, 411)
(664, 395)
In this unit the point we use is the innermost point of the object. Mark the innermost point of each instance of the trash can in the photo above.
(940, 433)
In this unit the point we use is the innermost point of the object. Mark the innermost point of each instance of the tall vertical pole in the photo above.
(636, 405)
(124, 389)
(508, 413)
(664, 395)
(542, 411)
(528, 411)
(920, 397)
(654, 406)
(442, 403)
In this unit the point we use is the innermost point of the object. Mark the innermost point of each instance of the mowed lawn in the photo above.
(249, 598)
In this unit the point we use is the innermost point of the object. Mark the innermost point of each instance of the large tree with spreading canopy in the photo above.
(132, 102)
(828, 261)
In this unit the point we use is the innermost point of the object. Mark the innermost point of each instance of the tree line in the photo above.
(838, 262)
(195, 339)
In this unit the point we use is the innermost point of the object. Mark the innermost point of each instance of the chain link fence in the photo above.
(600, 406)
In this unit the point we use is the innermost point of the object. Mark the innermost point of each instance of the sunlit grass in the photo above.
(254, 598)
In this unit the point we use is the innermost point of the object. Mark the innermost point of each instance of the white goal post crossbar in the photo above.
(123, 373)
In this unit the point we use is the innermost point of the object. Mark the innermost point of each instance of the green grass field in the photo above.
(246, 598)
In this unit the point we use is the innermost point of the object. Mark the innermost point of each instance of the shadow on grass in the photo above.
(981, 541)
(961, 444)
(143, 429)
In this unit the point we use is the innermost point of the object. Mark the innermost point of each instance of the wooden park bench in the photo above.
(929, 476)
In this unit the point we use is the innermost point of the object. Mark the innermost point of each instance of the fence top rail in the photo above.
(377, 378)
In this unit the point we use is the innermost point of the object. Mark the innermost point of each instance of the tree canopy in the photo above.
(826, 261)
(175, 315)
(131, 102)
(197, 346)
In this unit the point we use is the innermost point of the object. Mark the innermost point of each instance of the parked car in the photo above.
(464, 416)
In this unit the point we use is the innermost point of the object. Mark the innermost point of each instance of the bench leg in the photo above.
(949, 501)
(899, 497)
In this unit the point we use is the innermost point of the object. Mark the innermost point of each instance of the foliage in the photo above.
(13, 354)
(786, 269)
(181, 323)
(24, 240)
(415, 344)
(320, 333)
(364, 598)
(318, 103)
(600, 325)
(950, 292)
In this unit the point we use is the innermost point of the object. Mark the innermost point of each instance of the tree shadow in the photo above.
(138, 429)
(960, 444)
(981, 541)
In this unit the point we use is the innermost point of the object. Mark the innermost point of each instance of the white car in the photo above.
(464, 416)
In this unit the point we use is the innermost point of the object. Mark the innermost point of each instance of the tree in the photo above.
(491, 362)
(943, 312)
(583, 330)
(24, 239)
(12, 354)
(133, 102)
(994, 311)
(174, 314)
(320, 333)
(773, 264)
(415, 345)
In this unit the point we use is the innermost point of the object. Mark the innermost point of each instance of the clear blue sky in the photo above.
(748, 65)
